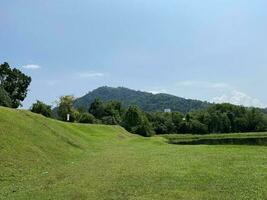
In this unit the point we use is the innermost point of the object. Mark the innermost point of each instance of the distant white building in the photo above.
(168, 110)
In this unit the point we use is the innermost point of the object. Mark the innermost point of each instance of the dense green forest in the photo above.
(146, 101)
(217, 118)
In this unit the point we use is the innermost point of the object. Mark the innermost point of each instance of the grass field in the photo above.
(42, 158)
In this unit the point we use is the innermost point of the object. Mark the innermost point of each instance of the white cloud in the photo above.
(31, 66)
(90, 74)
(238, 98)
(204, 84)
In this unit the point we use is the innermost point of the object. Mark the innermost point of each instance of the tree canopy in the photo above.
(15, 83)
(41, 108)
(4, 98)
(65, 107)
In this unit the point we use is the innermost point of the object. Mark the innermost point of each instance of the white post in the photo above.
(68, 117)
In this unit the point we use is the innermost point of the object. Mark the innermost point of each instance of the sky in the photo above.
(212, 50)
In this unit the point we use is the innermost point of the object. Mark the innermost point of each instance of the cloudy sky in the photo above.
(214, 50)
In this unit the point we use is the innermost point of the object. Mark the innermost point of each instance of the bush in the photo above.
(4, 98)
(86, 118)
(109, 120)
(197, 127)
(41, 108)
(135, 121)
(144, 129)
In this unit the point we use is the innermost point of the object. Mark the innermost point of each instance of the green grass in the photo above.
(42, 158)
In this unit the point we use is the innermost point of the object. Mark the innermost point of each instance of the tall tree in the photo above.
(65, 107)
(15, 83)
(97, 109)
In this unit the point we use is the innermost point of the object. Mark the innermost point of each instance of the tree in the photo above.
(109, 120)
(97, 109)
(65, 107)
(41, 108)
(163, 123)
(256, 120)
(196, 127)
(15, 83)
(4, 98)
(177, 119)
(136, 122)
(86, 118)
(113, 111)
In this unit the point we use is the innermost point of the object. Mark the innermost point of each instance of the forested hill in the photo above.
(146, 101)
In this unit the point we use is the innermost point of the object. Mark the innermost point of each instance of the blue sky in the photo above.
(214, 50)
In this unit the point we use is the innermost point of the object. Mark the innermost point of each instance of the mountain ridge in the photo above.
(145, 100)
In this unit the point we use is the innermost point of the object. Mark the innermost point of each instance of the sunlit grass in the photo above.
(42, 158)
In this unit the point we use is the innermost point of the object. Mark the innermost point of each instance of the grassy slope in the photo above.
(45, 159)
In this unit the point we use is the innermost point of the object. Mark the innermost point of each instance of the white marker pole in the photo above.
(68, 117)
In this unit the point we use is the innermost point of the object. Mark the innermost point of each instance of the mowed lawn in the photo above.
(42, 158)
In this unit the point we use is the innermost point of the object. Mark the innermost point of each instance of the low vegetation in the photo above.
(41, 108)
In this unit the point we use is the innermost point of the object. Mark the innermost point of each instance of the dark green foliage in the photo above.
(146, 101)
(113, 113)
(226, 118)
(109, 120)
(41, 108)
(97, 109)
(219, 118)
(135, 121)
(163, 123)
(86, 118)
(197, 127)
(108, 113)
(4, 98)
(15, 83)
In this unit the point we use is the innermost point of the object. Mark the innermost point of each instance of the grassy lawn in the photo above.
(42, 158)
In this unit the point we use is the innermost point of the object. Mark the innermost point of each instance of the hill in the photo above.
(49, 159)
(146, 101)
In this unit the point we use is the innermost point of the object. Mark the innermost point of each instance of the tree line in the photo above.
(217, 118)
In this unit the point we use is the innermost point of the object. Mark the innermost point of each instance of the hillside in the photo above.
(48, 159)
(146, 101)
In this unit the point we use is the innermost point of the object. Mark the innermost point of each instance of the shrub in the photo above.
(135, 121)
(86, 118)
(41, 108)
(109, 120)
